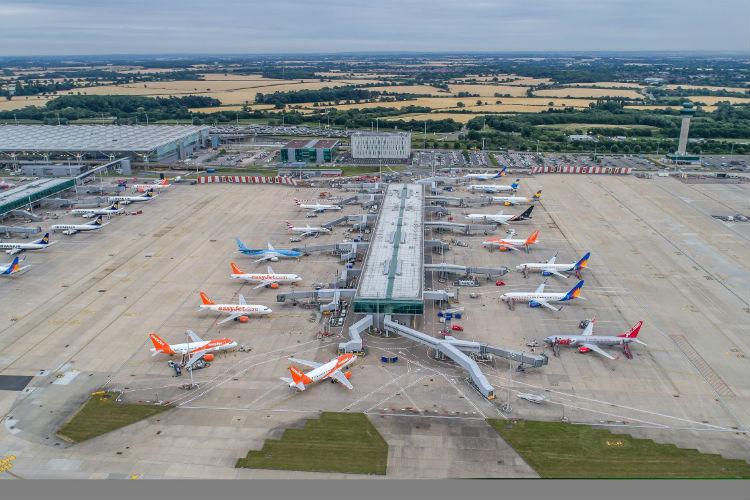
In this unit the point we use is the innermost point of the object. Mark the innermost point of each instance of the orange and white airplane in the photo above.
(269, 279)
(321, 371)
(511, 243)
(195, 350)
(239, 312)
(156, 186)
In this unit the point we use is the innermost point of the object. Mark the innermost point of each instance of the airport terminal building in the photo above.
(142, 143)
(309, 151)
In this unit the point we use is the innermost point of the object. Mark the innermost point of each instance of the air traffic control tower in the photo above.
(393, 274)
(681, 156)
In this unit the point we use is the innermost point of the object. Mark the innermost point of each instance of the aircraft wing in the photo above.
(552, 259)
(262, 284)
(14, 251)
(546, 304)
(229, 318)
(508, 246)
(264, 258)
(339, 377)
(304, 362)
(242, 300)
(540, 288)
(598, 350)
(193, 358)
(552, 271)
(589, 330)
(193, 336)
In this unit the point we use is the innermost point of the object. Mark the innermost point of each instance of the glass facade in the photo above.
(388, 306)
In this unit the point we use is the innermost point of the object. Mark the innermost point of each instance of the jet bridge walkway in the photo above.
(460, 227)
(456, 350)
(466, 270)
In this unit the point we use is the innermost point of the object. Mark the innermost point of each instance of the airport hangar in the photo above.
(390, 294)
(146, 143)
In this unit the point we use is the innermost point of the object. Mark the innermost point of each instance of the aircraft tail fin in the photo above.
(633, 332)
(574, 292)
(98, 221)
(298, 377)
(206, 300)
(160, 345)
(537, 195)
(526, 213)
(515, 184)
(296, 202)
(532, 239)
(13, 267)
(240, 244)
(45, 239)
(235, 268)
(581, 264)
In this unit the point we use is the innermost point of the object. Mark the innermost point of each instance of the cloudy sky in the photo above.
(61, 27)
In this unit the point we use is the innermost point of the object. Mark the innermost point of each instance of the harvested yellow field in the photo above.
(411, 89)
(709, 87)
(519, 104)
(505, 79)
(588, 92)
(530, 82)
(23, 101)
(489, 90)
(712, 99)
(459, 117)
(232, 77)
(227, 91)
(529, 108)
(610, 85)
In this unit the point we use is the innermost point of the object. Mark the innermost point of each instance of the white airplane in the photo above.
(14, 248)
(590, 342)
(501, 218)
(195, 350)
(307, 230)
(238, 312)
(321, 371)
(539, 298)
(494, 188)
(13, 268)
(316, 207)
(147, 196)
(512, 243)
(269, 279)
(156, 186)
(71, 229)
(550, 267)
(487, 176)
(113, 209)
(517, 200)
(532, 398)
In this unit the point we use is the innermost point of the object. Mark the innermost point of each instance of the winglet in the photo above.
(160, 345)
(206, 300)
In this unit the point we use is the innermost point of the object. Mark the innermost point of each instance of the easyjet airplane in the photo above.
(239, 312)
(321, 371)
(196, 349)
(156, 186)
(504, 244)
(270, 279)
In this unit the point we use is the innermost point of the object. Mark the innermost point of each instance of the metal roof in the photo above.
(144, 138)
(394, 267)
(31, 191)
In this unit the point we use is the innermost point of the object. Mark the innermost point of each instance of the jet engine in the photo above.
(208, 357)
(534, 303)
(583, 349)
(348, 374)
(244, 319)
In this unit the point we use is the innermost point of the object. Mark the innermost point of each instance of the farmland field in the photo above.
(609, 85)
(489, 90)
(588, 92)
(459, 117)
(709, 87)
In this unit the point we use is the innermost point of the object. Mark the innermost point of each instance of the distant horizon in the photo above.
(402, 53)
(59, 28)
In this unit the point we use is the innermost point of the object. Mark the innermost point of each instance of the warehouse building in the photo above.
(309, 150)
(381, 145)
(144, 143)
(52, 170)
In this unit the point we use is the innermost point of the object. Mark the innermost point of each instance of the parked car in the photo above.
(499, 283)
(457, 328)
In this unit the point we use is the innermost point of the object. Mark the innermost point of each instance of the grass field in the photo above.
(560, 450)
(336, 442)
(459, 117)
(587, 126)
(101, 415)
(709, 87)
(610, 85)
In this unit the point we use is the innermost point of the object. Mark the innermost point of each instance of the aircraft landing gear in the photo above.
(627, 351)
